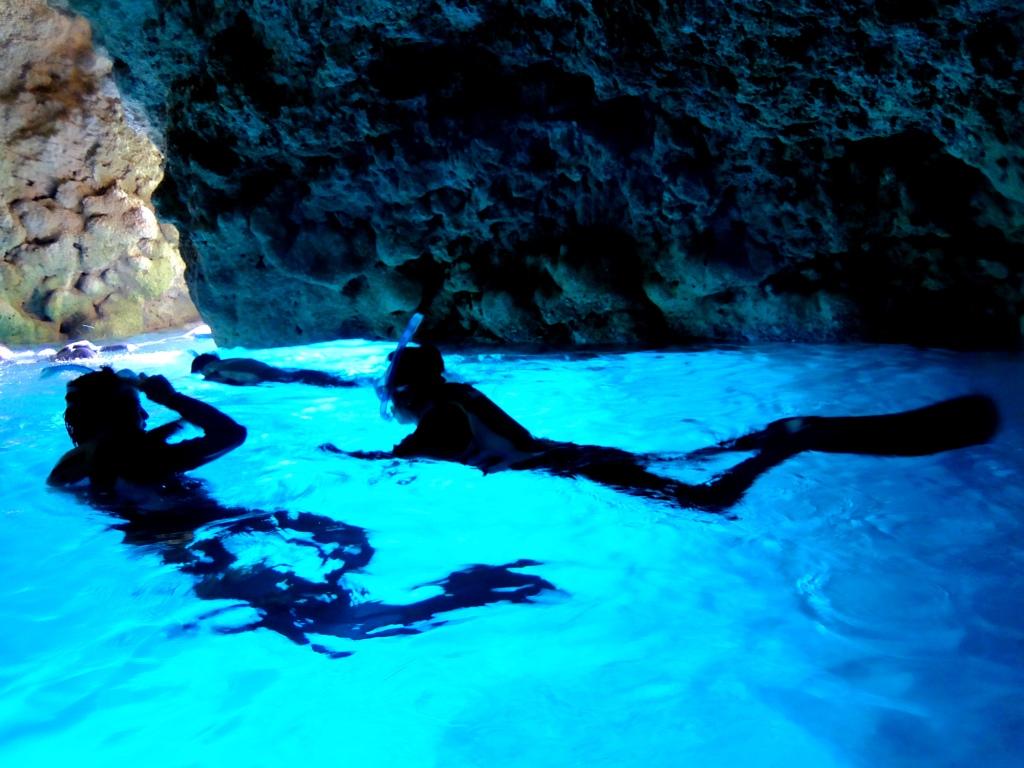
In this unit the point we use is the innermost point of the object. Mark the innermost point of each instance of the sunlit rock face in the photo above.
(589, 171)
(81, 251)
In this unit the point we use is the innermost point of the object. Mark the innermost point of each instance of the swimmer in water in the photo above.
(457, 422)
(86, 350)
(76, 350)
(242, 371)
(107, 424)
(138, 476)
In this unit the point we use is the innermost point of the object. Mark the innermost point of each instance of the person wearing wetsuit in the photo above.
(457, 422)
(86, 350)
(242, 371)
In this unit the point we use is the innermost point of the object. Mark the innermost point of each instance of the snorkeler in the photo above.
(86, 350)
(243, 371)
(107, 423)
(456, 422)
(76, 350)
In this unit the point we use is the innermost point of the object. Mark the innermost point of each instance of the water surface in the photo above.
(858, 611)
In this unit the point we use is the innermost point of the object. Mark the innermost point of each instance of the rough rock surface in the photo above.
(590, 170)
(81, 251)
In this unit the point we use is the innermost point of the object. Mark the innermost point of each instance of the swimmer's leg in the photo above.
(944, 426)
(715, 496)
(728, 488)
(626, 472)
(630, 477)
(318, 378)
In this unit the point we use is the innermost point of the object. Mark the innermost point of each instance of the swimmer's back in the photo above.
(466, 426)
(241, 371)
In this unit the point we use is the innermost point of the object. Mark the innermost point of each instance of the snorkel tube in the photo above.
(384, 383)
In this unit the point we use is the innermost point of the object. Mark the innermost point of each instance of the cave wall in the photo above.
(82, 254)
(589, 171)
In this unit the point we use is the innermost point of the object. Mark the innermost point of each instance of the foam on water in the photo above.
(859, 611)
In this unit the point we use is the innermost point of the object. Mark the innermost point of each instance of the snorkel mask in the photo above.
(384, 384)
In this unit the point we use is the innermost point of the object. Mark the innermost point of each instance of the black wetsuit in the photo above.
(244, 371)
(464, 425)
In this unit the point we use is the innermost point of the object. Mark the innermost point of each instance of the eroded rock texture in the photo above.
(81, 251)
(590, 170)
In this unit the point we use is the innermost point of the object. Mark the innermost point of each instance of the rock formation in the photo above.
(590, 170)
(81, 251)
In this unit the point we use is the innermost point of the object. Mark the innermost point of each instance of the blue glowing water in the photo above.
(858, 612)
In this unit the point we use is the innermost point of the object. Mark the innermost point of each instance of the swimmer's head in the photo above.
(102, 402)
(203, 360)
(416, 370)
(417, 366)
(77, 350)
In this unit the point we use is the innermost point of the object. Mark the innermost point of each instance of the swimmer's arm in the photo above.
(367, 455)
(168, 430)
(221, 433)
(943, 426)
(72, 467)
(443, 433)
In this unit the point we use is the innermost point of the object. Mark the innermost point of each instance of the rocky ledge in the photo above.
(82, 253)
(589, 171)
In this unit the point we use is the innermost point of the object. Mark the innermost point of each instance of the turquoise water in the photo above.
(858, 611)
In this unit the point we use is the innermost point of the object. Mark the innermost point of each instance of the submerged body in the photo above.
(243, 371)
(457, 422)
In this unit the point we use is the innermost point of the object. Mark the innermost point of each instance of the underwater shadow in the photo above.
(191, 530)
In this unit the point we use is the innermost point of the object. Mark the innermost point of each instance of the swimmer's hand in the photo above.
(157, 388)
(370, 455)
(168, 430)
